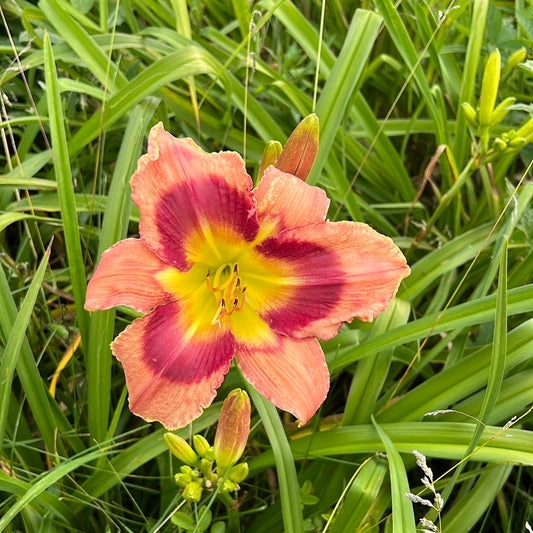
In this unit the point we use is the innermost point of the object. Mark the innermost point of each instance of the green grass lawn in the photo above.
(426, 130)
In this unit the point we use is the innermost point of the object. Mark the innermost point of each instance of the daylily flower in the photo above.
(223, 270)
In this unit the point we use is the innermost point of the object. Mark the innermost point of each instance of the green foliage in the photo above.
(425, 133)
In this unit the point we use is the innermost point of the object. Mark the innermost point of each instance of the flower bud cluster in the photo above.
(207, 467)
(488, 115)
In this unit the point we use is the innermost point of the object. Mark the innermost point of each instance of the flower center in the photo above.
(228, 290)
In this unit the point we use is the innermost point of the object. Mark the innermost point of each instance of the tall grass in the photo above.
(446, 370)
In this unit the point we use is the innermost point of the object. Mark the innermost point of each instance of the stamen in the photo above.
(227, 288)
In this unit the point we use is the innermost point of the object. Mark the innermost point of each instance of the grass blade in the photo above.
(341, 84)
(287, 477)
(65, 189)
(403, 518)
(14, 343)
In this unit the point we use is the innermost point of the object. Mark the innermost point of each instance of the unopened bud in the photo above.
(182, 480)
(517, 143)
(501, 110)
(201, 445)
(180, 448)
(526, 131)
(270, 156)
(233, 429)
(514, 59)
(229, 486)
(299, 153)
(239, 472)
(499, 144)
(489, 88)
(192, 492)
(470, 114)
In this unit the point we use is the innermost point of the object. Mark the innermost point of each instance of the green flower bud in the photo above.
(229, 486)
(239, 472)
(501, 110)
(526, 131)
(470, 114)
(489, 88)
(182, 480)
(270, 156)
(517, 143)
(515, 58)
(186, 469)
(299, 153)
(192, 492)
(499, 144)
(232, 431)
(201, 445)
(180, 448)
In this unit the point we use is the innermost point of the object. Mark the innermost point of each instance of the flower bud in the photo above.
(233, 429)
(229, 486)
(499, 144)
(470, 114)
(192, 492)
(501, 110)
(182, 480)
(301, 148)
(489, 88)
(201, 445)
(270, 157)
(517, 143)
(526, 131)
(180, 448)
(515, 58)
(239, 473)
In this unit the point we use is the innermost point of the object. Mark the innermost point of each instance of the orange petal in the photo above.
(125, 276)
(284, 201)
(189, 199)
(331, 272)
(291, 374)
(172, 373)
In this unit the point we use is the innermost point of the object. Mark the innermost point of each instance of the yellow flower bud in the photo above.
(526, 131)
(489, 88)
(499, 144)
(232, 431)
(201, 445)
(517, 143)
(182, 480)
(239, 472)
(270, 156)
(515, 58)
(180, 448)
(299, 153)
(470, 114)
(501, 110)
(229, 486)
(192, 492)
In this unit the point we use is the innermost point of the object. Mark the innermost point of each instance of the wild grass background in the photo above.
(82, 82)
